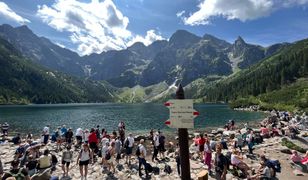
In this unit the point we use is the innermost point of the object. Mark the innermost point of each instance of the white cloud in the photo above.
(180, 13)
(237, 9)
(147, 40)
(95, 26)
(8, 13)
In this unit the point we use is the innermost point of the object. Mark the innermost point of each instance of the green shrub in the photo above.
(291, 145)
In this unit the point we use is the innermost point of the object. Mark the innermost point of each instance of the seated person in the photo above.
(45, 160)
(273, 164)
(305, 159)
(16, 140)
(263, 173)
(264, 132)
(31, 165)
(297, 160)
(237, 161)
(16, 172)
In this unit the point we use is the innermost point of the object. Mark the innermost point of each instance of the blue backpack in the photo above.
(274, 164)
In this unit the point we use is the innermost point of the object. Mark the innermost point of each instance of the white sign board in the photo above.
(182, 113)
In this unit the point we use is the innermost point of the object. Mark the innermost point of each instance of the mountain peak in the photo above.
(137, 45)
(239, 41)
(24, 29)
(183, 38)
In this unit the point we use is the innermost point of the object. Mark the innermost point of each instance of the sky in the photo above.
(93, 26)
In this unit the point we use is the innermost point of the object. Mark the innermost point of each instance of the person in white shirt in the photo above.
(86, 136)
(128, 145)
(141, 156)
(79, 134)
(46, 134)
(156, 146)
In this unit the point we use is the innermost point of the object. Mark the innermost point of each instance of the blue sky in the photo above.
(88, 26)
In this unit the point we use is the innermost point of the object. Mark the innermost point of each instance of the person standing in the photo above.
(141, 152)
(110, 159)
(156, 146)
(104, 152)
(5, 129)
(208, 155)
(86, 136)
(84, 158)
(249, 139)
(67, 157)
(46, 134)
(129, 147)
(201, 143)
(79, 135)
(118, 146)
(69, 136)
(220, 164)
(162, 140)
(63, 132)
(93, 140)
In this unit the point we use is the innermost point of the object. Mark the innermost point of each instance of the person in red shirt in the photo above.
(93, 140)
(201, 143)
(305, 159)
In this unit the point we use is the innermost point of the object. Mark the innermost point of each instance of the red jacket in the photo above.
(93, 138)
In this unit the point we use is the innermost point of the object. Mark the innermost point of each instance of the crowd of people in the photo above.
(96, 146)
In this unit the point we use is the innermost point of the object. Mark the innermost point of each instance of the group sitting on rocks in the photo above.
(98, 153)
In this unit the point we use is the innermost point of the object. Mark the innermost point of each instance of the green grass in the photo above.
(291, 145)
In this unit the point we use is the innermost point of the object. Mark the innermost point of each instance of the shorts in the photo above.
(67, 163)
(79, 138)
(129, 151)
(84, 163)
(201, 148)
(161, 148)
(93, 145)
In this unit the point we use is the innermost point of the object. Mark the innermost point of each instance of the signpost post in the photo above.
(181, 117)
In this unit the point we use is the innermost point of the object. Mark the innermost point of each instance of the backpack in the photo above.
(138, 153)
(167, 169)
(108, 155)
(19, 175)
(148, 167)
(155, 170)
(126, 143)
(161, 139)
(275, 165)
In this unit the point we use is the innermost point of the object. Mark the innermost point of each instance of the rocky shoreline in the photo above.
(271, 147)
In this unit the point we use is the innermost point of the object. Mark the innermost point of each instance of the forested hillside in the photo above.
(271, 81)
(22, 82)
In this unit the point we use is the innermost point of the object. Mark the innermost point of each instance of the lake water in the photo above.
(137, 117)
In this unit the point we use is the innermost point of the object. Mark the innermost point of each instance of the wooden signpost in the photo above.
(182, 117)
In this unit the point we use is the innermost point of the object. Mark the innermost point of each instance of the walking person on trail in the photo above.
(67, 157)
(84, 158)
(128, 145)
(16, 172)
(141, 153)
(208, 155)
(110, 156)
